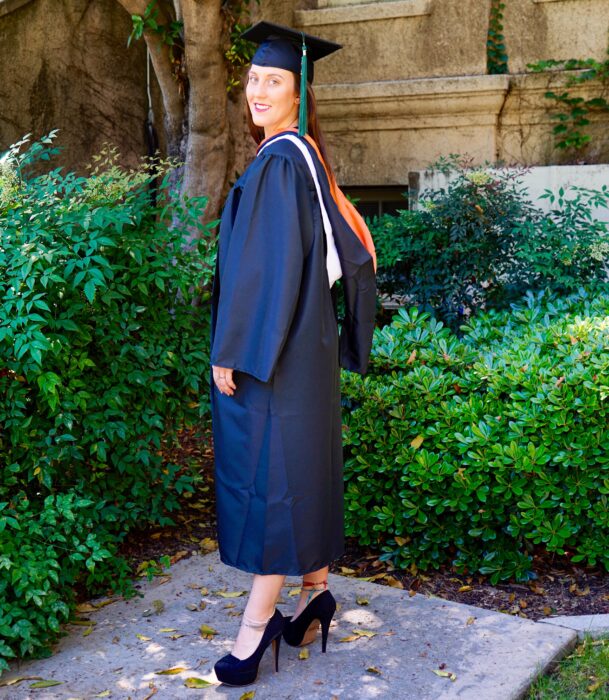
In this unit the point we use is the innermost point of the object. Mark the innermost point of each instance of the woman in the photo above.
(275, 354)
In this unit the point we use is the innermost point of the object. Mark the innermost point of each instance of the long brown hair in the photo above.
(313, 128)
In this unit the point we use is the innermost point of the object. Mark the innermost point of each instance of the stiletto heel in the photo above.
(318, 611)
(276, 643)
(325, 627)
(231, 670)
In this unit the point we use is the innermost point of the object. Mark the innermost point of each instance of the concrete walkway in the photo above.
(492, 656)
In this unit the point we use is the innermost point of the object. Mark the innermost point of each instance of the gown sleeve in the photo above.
(260, 268)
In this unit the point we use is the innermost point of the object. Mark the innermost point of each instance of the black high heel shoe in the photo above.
(318, 611)
(233, 671)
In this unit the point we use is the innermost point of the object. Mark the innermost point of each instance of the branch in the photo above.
(162, 66)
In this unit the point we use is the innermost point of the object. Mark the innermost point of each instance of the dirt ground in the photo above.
(559, 589)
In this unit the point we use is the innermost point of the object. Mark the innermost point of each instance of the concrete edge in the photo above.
(593, 626)
(550, 664)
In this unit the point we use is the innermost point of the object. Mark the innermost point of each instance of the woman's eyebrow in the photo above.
(274, 75)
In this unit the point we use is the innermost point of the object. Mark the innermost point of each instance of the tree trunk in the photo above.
(196, 123)
(207, 149)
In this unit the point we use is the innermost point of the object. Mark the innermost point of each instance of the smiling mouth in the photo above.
(260, 107)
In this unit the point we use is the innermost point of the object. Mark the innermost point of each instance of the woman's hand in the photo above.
(223, 378)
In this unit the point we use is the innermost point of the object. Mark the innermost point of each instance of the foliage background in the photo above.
(103, 357)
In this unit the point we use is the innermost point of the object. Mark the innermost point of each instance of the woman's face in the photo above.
(272, 98)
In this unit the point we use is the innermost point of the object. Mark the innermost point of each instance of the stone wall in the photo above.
(65, 65)
(410, 84)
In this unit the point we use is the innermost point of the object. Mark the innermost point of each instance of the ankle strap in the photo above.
(307, 584)
(256, 624)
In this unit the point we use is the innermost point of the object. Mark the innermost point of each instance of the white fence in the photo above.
(535, 180)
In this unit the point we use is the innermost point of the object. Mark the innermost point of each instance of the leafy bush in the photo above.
(102, 359)
(481, 244)
(473, 451)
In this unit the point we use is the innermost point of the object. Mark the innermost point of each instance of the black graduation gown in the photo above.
(277, 439)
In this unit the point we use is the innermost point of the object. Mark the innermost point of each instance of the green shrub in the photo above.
(473, 451)
(480, 244)
(102, 359)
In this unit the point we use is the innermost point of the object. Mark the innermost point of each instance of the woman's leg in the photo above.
(307, 594)
(260, 607)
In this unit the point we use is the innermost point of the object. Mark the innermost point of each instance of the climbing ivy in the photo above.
(574, 114)
(240, 51)
(496, 54)
(171, 34)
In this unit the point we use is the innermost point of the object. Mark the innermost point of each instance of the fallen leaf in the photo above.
(85, 608)
(365, 633)
(350, 638)
(470, 620)
(191, 606)
(158, 606)
(594, 686)
(179, 555)
(88, 631)
(360, 600)
(20, 679)
(523, 603)
(303, 654)
(547, 610)
(346, 570)
(445, 674)
(417, 442)
(247, 696)
(45, 684)
(371, 578)
(208, 544)
(168, 629)
(171, 671)
(373, 669)
(394, 582)
(103, 694)
(230, 594)
(143, 637)
(207, 632)
(412, 593)
(196, 683)
(176, 636)
(228, 605)
(401, 541)
(412, 357)
(464, 589)
(204, 590)
(202, 605)
(294, 592)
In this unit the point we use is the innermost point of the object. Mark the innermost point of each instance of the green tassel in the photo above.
(302, 113)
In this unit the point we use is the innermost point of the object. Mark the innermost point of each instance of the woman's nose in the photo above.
(259, 90)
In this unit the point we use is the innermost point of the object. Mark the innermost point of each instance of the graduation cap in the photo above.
(283, 47)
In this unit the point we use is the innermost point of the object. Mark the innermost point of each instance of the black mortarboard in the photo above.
(283, 47)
